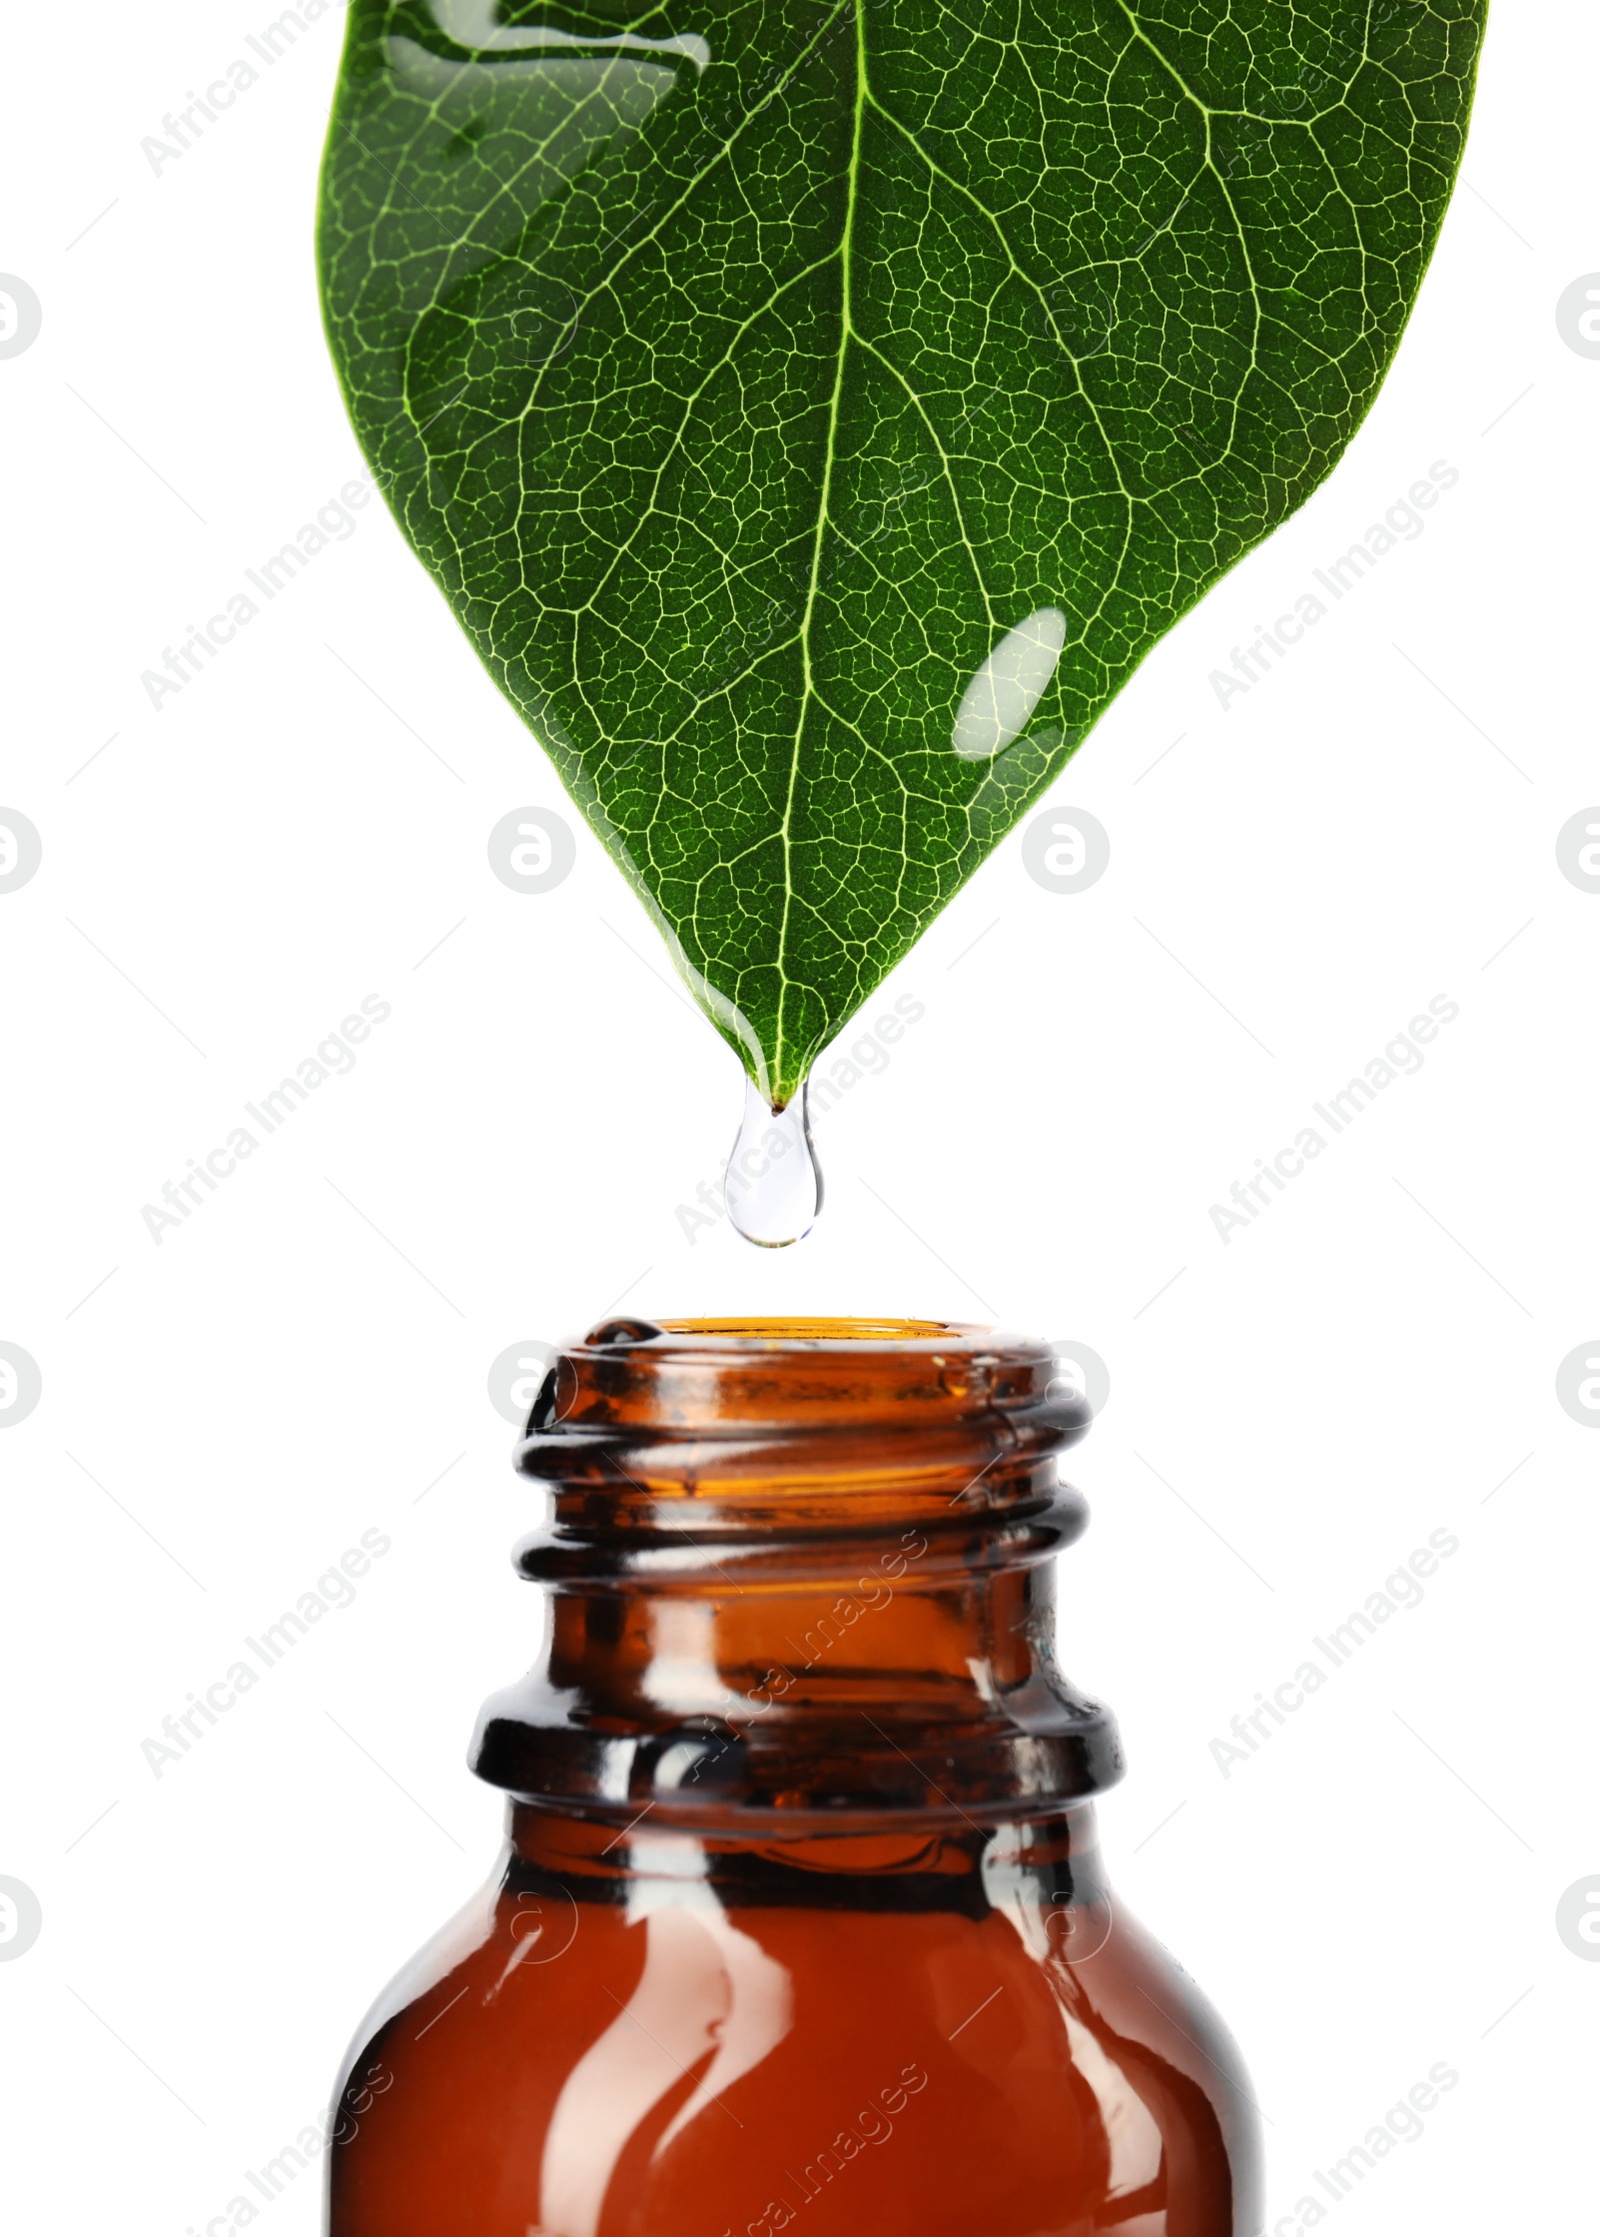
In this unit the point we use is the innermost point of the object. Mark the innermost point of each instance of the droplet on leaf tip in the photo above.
(774, 1183)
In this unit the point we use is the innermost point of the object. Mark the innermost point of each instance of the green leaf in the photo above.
(814, 410)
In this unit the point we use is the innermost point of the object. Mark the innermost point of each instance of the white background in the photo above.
(1291, 1412)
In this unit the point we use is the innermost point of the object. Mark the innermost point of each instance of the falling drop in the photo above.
(774, 1183)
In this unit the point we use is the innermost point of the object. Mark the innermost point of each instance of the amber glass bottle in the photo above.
(801, 1917)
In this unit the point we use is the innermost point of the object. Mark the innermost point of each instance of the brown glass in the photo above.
(801, 1916)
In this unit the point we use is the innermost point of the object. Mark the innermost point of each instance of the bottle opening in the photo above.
(803, 1331)
(756, 1380)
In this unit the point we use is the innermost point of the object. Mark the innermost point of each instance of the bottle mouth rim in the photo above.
(789, 1332)
(789, 1408)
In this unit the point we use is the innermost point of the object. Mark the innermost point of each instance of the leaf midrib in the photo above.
(808, 689)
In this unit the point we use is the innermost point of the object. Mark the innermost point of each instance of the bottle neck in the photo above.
(1045, 1867)
(800, 1575)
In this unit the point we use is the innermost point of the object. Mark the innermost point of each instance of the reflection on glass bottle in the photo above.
(801, 1904)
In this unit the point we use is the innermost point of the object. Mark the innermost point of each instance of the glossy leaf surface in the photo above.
(815, 409)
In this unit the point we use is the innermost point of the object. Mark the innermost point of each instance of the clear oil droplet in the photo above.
(774, 1183)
